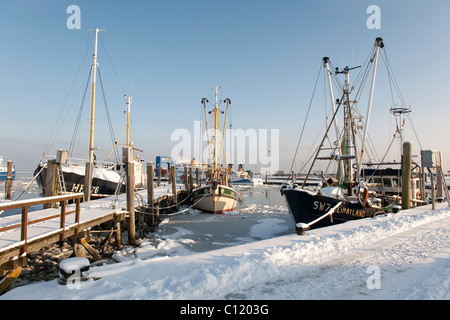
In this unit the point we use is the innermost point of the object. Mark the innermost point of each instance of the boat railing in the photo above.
(25, 221)
(82, 162)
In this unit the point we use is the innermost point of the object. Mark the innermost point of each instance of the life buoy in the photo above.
(364, 191)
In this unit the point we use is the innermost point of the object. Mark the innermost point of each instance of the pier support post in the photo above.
(406, 175)
(440, 180)
(9, 181)
(186, 178)
(197, 176)
(126, 154)
(191, 180)
(118, 234)
(433, 192)
(159, 176)
(49, 182)
(150, 188)
(173, 180)
(88, 181)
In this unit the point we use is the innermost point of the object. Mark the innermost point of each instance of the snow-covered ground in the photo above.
(399, 256)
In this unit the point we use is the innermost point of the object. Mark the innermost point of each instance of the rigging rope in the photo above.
(306, 118)
(110, 61)
(54, 134)
(77, 123)
(111, 130)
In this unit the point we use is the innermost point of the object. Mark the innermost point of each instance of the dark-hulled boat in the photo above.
(62, 174)
(345, 196)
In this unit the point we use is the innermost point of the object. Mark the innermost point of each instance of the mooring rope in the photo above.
(175, 213)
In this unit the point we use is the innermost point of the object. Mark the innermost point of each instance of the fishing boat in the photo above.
(4, 171)
(344, 196)
(62, 174)
(216, 196)
(243, 177)
(385, 177)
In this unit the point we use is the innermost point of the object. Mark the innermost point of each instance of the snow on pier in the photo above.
(398, 256)
(46, 226)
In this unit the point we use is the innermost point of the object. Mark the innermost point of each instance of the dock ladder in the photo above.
(61, 183)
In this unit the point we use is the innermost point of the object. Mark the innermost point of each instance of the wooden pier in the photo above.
(31, 231)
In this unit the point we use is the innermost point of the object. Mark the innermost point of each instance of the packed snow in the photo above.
(398, 256)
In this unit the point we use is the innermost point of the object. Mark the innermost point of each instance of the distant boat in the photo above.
(4, 171)
(107, 177)
(216, 196)
(241, 177)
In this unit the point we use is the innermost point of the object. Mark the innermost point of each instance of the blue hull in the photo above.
(3, 175)
(242, 181)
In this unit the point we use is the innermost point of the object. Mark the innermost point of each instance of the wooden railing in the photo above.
(25, 204)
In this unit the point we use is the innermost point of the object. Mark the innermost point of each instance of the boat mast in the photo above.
(330, 87)
(336, 125)
(378, 44)
(128, 102)
(348, 144)
(94, 75)
(90, 164)
(216, 130)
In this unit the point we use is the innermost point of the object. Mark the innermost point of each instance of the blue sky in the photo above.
(169, 54)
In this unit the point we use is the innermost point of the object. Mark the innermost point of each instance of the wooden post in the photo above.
(49, 182)
(150, 189)
(118, 234)
(440, 180)
(191, 180)
(159, 176)
(433, 192)
(186, 178)
(9, 179)
(197, 176)
(173, 180)
(77, 213)
(62, 224)
(406, 175)
(87, 181)
(24, 228)
(150, 186)
(127, 159)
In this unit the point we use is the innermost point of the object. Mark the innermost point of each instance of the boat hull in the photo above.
(4, 175)
(102, 186)
(306, 207)
(220, 200)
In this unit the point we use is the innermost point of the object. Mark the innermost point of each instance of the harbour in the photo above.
(271, 169)
(260, 215)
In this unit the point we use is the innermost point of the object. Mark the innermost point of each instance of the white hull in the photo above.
(218, 201)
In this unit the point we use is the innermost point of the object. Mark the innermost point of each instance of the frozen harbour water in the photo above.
(256, 255)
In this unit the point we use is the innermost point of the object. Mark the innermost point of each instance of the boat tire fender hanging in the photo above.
(363, 195)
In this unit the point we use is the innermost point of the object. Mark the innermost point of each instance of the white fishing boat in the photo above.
(216, 196)
(4, 170)
(244, 177)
